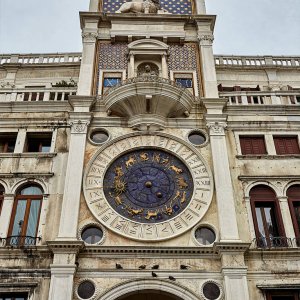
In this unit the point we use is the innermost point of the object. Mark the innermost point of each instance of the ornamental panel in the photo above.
(171, 6)
(148, 187)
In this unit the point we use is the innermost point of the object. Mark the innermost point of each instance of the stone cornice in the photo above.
(65, 246)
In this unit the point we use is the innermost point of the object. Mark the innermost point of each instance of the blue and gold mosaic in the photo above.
(179, 7)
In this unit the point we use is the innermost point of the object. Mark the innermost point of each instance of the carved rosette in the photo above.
(206, 39)
(216, 128)
(150, 229)
(79, 126)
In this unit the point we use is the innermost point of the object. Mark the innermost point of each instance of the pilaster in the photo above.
(79, 121)
(200, 7)
(6, 214)
(216, 123)
(234, 269)
(286, 217)
(63, 269)
(208, 67)
(89, 38)
(94, 4)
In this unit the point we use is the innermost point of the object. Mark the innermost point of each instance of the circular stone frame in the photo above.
(101, 209)
(91, 224)
(96, 294)
(95, 130)
(217, 284)
(213, 228)
(201, 131)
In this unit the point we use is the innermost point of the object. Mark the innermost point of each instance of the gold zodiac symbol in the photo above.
(165, 160)
(176, 169)
(131, 161)
(119, 171)
(118, 199)
(183, 199)
(156, 157)
(151, 213)
(144, 156)
(178, 194)
(134, 212)
(169, 210)
(182, 183)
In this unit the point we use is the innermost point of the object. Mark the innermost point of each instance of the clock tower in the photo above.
(148, 198)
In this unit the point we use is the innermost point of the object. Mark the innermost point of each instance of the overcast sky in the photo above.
(255, 27)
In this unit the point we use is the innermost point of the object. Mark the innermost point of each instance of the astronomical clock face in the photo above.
(148, 187)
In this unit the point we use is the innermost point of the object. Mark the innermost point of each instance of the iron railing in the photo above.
(272, 242)
(19, 241)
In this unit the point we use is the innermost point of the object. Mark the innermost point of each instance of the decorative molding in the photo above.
(206, 39)
(97, 288)
(216, 128)
(87, 224)
(216, 283)
(89, 37)
(79, 126)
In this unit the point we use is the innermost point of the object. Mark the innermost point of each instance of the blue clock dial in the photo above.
(148, 186)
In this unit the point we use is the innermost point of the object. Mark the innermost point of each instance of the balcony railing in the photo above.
(18, 241)
(263, 98)
(273, 242)
(147, 79)
(33, 94)
(257, 61)
(50, 58)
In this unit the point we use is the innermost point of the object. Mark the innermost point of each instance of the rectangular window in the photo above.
(38, 142)
(253, 145)
(8, 142)
(288, 295)
(286, 145)
(110, 79)
(13, 296)
(185, 80)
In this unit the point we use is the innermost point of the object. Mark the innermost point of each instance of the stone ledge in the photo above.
(267, 156)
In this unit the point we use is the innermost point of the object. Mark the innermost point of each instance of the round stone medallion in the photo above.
(148, 187)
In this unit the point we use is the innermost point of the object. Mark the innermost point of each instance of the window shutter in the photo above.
(286, 145)
(253, 145)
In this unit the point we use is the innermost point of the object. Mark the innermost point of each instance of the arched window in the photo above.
(267, 218)
(293, 194)
(25, 216)
(2, 191)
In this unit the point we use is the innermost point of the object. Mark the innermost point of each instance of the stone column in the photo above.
(86, 74)
(208, 65)
(200, 7)
(164, 67)
(216, 122)
(79, 121)
(6, 214)
(131, 66)
(286, 217)
(63, 269)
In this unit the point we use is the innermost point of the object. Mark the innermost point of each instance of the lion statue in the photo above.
(140, 6)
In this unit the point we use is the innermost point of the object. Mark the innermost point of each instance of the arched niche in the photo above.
(148, 51)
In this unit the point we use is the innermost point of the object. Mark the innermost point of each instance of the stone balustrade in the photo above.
(34, 94)
(257, 61)
(262, 98)
(50, 58)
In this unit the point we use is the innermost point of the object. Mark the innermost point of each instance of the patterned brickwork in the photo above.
(182, 57)
(172, 6)
(113, 56)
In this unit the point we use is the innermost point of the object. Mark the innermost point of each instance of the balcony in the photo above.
(148, 97)
(18, 241)
(36, 94)
(291, 98)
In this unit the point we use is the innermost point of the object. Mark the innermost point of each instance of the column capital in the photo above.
(89, 36)
(79, 126)
(216, 128)
(206, 39)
